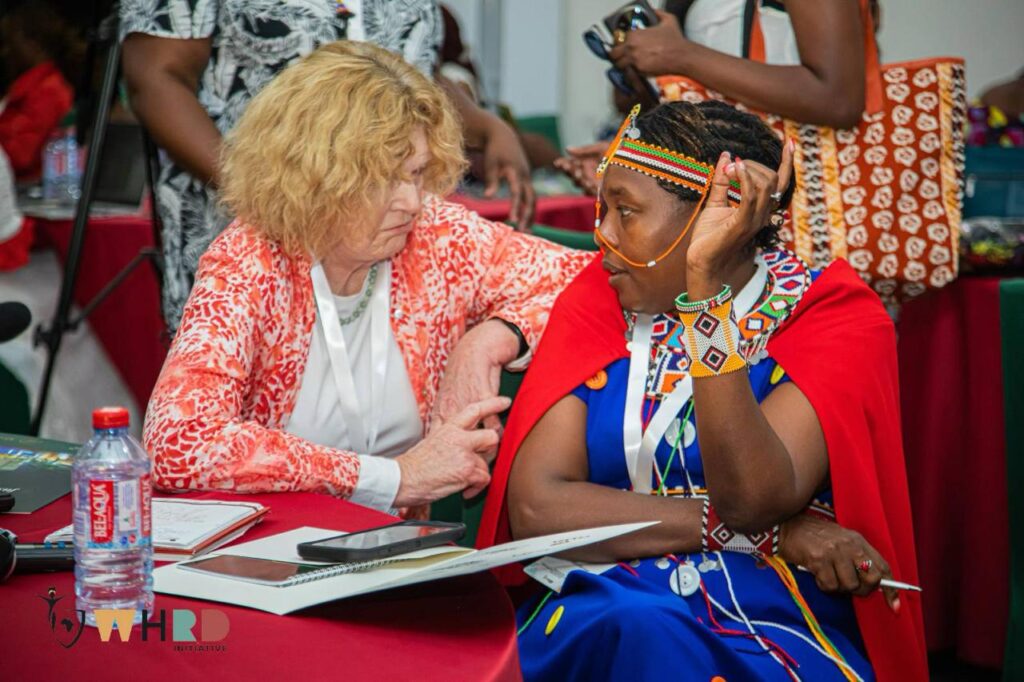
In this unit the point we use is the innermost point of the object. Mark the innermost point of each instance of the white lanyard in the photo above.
(361, 424)
(639, 444)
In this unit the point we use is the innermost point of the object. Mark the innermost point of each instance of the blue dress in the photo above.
(629, 624)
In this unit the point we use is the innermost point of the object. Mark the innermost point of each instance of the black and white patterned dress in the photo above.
(254, 40)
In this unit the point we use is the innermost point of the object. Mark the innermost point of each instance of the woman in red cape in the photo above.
(795, 461)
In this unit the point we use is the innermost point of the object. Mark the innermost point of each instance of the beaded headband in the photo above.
(629, 151)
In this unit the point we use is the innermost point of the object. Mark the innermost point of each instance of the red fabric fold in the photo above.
(839, 348)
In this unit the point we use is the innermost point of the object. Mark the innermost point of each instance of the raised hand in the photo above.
(722, 233)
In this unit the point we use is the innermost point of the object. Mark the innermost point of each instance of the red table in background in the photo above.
(456, 629)
(951, 384)
(570, 212)
(951, 396)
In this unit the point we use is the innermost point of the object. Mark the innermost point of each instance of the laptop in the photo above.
(120, 184)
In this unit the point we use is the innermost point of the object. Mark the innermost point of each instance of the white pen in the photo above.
(886, 582)
(897, 585)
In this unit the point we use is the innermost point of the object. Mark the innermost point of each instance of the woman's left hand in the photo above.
(505, 159)
(723, 232)
(473, 372)
(653, 51)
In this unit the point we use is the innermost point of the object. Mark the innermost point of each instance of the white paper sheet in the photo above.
(432, 564)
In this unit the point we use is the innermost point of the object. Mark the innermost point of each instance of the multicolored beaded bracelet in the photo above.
(715, 536)
(685, 305)
(710, 335)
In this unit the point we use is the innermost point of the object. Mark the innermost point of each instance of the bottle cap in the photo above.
(110, 418)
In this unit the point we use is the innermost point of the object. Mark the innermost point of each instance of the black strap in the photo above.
(524, 345)
(748, 26)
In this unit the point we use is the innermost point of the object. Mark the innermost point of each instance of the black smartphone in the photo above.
(377, 543)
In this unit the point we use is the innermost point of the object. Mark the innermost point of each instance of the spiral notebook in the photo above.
(269, 575)
(281, 573)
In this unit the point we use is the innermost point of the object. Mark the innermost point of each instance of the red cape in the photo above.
(839, 347)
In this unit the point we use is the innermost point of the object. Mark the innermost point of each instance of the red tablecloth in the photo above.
(954, 437)
(458, 629)
(570, 212)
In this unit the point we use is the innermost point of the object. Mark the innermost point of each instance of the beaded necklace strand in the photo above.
(364, 301)
(787, 578)
(662, 477)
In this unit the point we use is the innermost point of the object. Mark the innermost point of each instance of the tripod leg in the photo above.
(53, 335)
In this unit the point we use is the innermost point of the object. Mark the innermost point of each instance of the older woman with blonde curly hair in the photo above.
(349, 310)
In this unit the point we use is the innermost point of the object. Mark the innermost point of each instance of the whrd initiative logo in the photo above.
(67, 624)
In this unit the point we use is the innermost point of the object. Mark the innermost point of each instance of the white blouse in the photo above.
(718, 24)
(318, 416)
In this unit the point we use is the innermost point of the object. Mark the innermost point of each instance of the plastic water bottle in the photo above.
(111, 495)
(54, 162)
(71, 188)
(62, 165)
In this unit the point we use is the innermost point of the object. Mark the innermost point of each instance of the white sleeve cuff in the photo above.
(520, 364)
(379, 478)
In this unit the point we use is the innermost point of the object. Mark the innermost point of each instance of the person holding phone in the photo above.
(702, 377)
(814, 69)
(346, 333)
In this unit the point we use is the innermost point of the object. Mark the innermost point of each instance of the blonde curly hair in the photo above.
(318, 149)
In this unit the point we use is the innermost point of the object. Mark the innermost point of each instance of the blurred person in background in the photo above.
(456, 67)
(814, 68)
(997, 117)
(40, 54)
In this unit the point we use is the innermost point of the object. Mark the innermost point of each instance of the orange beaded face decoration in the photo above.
(629, 151)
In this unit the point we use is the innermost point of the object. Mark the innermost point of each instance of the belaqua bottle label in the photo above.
(146, 496)
(101, 513)
(119, 513)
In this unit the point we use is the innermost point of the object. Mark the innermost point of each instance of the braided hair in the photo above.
(705, 130)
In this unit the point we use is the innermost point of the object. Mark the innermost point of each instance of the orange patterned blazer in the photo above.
(230, 381)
